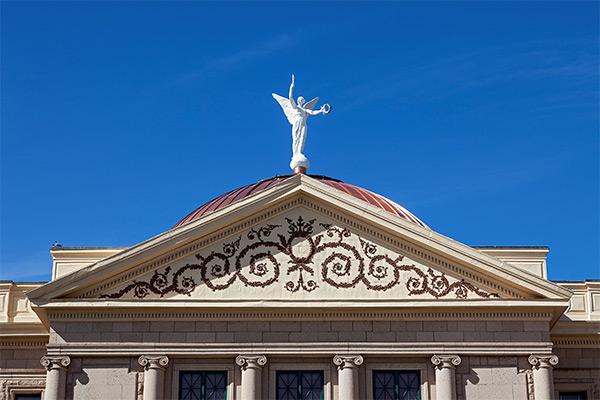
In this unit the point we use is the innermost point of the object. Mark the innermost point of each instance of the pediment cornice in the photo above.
(300, 191)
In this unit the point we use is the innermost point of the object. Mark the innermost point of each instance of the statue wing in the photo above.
(287, 107)
(311, 104)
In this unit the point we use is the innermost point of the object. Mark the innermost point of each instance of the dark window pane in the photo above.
(409, 385)
(300, 385)
(312, 386)
(572, 395)
(396, 385)
(287, 385)
(384, 385)
(202, 385)
(215, 385)
(28, 396)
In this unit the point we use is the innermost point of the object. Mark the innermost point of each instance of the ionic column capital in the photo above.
(153, 362)
(347, 361)
(55, 362)
(543, 360)
(251, 361)
(442, 361)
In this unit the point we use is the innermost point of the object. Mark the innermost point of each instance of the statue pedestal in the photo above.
(299, 161)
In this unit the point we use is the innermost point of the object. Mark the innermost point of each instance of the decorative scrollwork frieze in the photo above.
(336, 257)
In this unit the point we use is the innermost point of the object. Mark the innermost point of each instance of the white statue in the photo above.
(296, 115)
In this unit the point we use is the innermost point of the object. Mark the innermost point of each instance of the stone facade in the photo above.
(300, 279)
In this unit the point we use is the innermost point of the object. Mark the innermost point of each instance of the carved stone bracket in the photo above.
(153, 362)
(446, 361)
(347, 361)
(251, 361)
(55, 362)
(543, 361)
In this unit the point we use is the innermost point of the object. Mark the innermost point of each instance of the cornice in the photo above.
(417, 241)
(591, 341)
(307, 312)
(272, 349)
(24, 342)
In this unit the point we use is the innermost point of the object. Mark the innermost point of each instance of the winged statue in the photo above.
(297, 113)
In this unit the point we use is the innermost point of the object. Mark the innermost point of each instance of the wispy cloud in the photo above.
(244, 56)
(511, 64)
(482, 182)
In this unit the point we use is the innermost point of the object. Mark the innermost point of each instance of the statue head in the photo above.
(300, 100)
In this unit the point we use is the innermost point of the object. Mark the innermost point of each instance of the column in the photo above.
(543, 382)
(445, 377)
(347, 366)
(56, 377)
(154, 376)
(251, 366)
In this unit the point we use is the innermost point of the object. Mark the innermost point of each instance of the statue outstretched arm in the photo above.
(313, 112)
(291, 93)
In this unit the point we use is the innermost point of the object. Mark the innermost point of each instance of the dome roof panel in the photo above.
(355, 191)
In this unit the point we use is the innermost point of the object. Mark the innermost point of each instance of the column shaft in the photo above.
(154, 376)
(348, 376)
(543, 380)
(445, 376)
(56, 377)
(251, 366)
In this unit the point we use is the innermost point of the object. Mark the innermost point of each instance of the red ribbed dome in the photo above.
(359, 193)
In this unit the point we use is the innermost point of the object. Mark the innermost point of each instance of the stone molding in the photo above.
(251, 361)
(412, 249)
(55, 362)
(543, 361)
(24, 342)
(575, 342)
(308, 315)
(290, 349)
(10, 387)
(347, 361)
(442, 361)
(153, 362)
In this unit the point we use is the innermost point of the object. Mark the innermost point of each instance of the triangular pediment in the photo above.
(303, 255)
(300, 241)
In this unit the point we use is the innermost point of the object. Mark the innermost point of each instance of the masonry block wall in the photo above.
(477, 376)
(578, 367)
(298, 331)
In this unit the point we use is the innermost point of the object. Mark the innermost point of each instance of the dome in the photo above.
(243, 192)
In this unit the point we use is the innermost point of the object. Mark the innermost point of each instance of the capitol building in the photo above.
(300, 287)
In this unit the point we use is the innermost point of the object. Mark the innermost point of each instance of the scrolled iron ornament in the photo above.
(260, 262)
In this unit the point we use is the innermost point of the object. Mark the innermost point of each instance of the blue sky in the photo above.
(120, 118)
